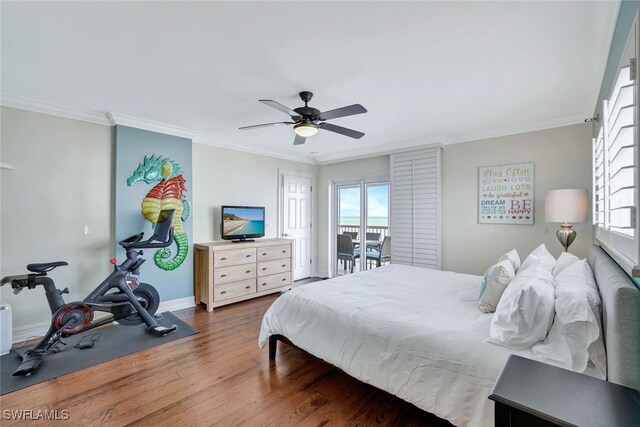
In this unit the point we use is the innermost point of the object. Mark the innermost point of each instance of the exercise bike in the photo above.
(129, 301)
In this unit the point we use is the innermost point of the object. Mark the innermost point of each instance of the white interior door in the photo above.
(296, 221)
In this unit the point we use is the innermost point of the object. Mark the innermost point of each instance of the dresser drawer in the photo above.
(233, 290)
(234, 273)
(266, 268)
(234, 257)
(274, 281)
(269, 253)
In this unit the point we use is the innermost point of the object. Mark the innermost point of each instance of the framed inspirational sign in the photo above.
(505, 194)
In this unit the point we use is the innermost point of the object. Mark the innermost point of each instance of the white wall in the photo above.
(327, 174)
(227, 177)
(562, 158)
(61, 181)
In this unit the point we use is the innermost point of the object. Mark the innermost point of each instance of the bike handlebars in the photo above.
(136, 242)
(163, 228)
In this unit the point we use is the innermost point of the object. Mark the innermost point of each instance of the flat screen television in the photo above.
(242, 223)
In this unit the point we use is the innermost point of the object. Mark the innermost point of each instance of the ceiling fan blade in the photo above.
(342, 131)
(280, 107)
(299, 140)
(264, 125)
(350, 110)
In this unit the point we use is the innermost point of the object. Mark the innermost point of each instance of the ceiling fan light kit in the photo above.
(305, 130)
(308, 120)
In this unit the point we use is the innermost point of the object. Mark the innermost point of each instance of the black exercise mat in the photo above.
(116, 341)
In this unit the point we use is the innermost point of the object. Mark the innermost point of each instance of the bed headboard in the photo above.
(620, 318)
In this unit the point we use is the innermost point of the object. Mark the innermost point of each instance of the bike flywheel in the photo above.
(72, 318)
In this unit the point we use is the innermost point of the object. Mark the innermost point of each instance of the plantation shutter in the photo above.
(599, 211)
(615, 162)
(415, 208)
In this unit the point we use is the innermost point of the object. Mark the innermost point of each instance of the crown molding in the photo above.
(29, 104)
(236, 146)
(408, 145)
(516, 130)
(150, 125)
(111, 119)
(377, 150)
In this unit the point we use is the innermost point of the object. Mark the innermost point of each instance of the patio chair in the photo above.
(373, 236)
(382, 255)
(353, 234)
(346, 251)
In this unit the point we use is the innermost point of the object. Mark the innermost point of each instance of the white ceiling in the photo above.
(427, 72)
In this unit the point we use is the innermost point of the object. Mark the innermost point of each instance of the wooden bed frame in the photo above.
(620, 321)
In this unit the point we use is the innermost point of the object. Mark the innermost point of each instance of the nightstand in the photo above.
(531, 393)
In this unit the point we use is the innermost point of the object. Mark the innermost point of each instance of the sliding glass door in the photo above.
(362, 223)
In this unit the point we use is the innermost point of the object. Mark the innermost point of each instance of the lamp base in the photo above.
(566, 235)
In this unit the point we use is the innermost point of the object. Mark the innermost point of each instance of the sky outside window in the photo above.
(377, 201)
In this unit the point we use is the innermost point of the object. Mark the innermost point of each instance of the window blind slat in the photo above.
(415, 208)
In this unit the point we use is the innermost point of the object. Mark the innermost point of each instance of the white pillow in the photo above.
(539, 254)
(512, 256)
(496, 280)
(564, 260)
(525, 311)
(575, 338)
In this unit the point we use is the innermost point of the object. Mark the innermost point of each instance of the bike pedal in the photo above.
(85, 345)
(161, 330)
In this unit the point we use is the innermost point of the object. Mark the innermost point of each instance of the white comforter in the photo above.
(414, 332)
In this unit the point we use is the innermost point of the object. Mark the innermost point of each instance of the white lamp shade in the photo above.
(571, 205)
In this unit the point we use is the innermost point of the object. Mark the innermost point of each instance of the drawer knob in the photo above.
(223, 259)
(264, 268)
(284, 280)
(223, 275)
(247, 287)
(264, 284)
(264, 253)
(284, 252)
(223, 292)
(284, 265)
(248, 256)
(248, 271)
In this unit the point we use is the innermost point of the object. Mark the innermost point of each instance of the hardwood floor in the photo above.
(216, 377)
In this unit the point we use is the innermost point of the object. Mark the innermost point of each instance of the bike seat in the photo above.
(45, 266)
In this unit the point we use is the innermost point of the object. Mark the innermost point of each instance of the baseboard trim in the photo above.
(22, 333)
(321, 273)
(176, 304)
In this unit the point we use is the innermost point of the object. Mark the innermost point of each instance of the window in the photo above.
(362, 210)
(615, 163)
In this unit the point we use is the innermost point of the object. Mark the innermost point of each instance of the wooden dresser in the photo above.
(228, 272)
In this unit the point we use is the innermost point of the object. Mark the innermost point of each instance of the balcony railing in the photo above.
(383, 230)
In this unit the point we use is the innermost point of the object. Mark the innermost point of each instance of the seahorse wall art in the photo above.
(167, 194)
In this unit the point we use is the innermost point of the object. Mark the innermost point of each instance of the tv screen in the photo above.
(242, 222)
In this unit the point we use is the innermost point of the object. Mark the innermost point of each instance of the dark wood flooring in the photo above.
(216, 377)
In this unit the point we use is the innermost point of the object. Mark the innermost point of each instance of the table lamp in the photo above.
(565, 206)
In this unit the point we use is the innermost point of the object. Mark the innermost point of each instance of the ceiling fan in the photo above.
(307, 120)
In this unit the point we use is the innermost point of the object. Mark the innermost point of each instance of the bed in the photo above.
(418, 334)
